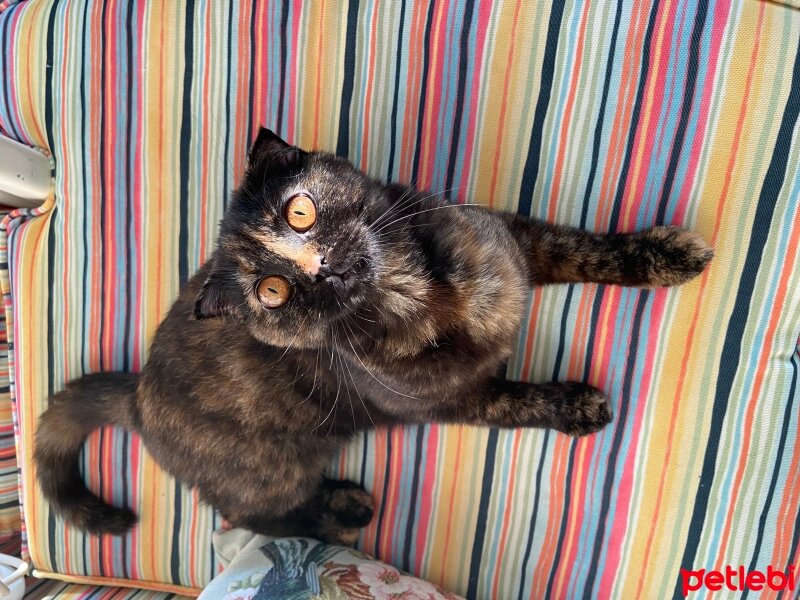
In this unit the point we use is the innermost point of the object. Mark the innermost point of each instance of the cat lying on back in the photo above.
(334, 303)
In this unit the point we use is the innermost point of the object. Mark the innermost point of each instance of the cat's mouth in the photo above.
(341, 285)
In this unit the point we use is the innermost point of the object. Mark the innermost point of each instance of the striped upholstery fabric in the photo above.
(10, 527)
(609, 115)
(44, 589)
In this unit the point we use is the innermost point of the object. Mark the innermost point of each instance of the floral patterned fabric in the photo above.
(261, 568)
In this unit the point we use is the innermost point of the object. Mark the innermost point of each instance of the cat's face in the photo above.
(296, 252)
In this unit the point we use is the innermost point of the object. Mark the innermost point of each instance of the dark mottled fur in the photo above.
(408, 321)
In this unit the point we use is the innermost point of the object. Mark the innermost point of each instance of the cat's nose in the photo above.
(326, 271)
(315, 265)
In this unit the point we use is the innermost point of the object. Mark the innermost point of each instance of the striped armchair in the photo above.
(610, 115)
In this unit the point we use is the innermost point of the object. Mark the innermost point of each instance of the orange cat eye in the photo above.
(274, 291)
(301, 213)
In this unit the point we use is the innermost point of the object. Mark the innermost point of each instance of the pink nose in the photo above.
(314, 265)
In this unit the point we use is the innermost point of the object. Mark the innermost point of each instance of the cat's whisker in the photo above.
(299, 329)
(370, 372)
(406, 199)
(355, 387)
(414, 214)
(349, 320)
(338, 390)
(342, 363)
(398, 205)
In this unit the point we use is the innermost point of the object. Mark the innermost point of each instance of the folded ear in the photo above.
(215, 299)
(270, 151)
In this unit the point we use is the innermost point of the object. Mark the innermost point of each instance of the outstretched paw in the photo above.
(584, 410)
(671, 255)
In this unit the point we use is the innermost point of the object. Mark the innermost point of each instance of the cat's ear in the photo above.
(270, 151)
(214, 299)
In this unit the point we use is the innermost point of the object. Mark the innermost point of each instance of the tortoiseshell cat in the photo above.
(335, 303)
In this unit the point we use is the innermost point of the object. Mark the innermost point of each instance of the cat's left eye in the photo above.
(301, 213)
(274, 291)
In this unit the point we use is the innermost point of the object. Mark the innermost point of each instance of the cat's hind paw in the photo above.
(347, 509)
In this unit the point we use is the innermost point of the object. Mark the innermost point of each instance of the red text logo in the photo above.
(738, 580)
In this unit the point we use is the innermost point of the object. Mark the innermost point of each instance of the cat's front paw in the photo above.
(584, 410)
(671, 255)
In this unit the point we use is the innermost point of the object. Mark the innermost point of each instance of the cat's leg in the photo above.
(655, 257)
(334, 512)
(573, 408)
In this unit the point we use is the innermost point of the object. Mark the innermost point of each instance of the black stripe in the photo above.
(686, 108)
(12, 128)
(637, 109)
(130, 177)
(598, 301)
(251, 119)
(129, 323)
(562, 337)
(185, 144)
(531, 172)
(422, 93)
(175, 555)
(762, 521)
(463, 63)
(85, 200)
(562, 530)
(283, 58)
(251, 87)
(475, 566)
(419, 435)
(227, 128)
(364, 454)
(51, 241)
(386, 477)
(51, 247)
(126, 472)
(729, 361)
(395, 96)
(343, 141)
(598, 129)
(532, 527)
(616, 444)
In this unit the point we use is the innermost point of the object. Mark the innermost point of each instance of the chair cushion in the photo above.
(613, 116)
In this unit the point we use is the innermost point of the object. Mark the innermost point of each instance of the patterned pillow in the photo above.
(263, 568)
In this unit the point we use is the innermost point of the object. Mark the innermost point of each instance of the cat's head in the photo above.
(296, 252)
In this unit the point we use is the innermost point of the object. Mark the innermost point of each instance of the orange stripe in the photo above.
(318, 85)
(368, 93)
(509, 505)
(545, 562)
(566, 119)
(450, 507)
(621, 125)
(503, 106)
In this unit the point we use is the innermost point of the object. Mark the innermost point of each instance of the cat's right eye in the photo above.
(301, 213)
(274, 291)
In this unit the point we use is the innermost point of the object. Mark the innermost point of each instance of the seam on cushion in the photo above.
(7, 227)
(120, 582)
